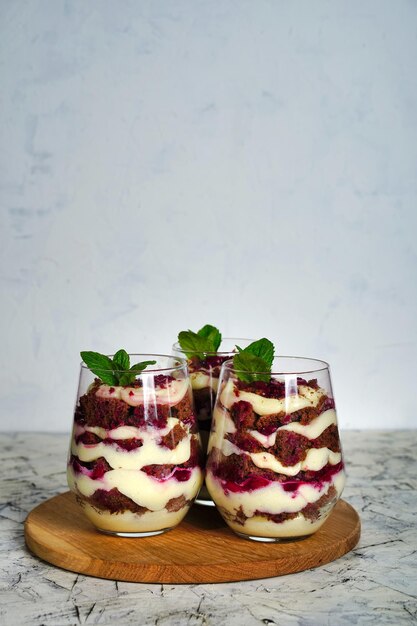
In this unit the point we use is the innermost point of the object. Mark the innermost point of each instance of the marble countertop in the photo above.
(375, 583)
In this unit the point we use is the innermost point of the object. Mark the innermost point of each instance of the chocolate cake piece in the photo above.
(242, 414)
(237, 468)
(312, 511)
(155, 415)
(329, 438)
(103, 412)
(114, 502)
(308, 414)
(176, 504)
(290, 448)
(277, 518)
(183, 411)
(88, 439)
(267, 424)
(96, 468)
(245, 441)
(175, 435)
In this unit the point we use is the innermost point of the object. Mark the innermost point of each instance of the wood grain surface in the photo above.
(202, 549)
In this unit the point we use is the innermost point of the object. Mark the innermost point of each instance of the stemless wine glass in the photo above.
(135, 454)
(275, 468)
(204, 375)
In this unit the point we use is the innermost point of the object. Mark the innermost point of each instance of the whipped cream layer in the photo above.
(306, 397)
(170, 393)
(150, 453)
(201, 380)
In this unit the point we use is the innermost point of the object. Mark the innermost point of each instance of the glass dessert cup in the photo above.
(275, 469)
(135, 454)
(204, 376)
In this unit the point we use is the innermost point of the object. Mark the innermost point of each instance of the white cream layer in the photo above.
(151, 452)
(271, 498)
(199, 380)
(306, 397)
(145, 490)
(173, 393)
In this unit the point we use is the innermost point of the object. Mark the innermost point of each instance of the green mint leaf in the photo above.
(255, 361)
(121, 360)
(207, 339)
(101, 365)
(249, 367)
(126, 379)
(116, 371)
(213, 336)
(262, 348)
(192, 344)
(129, 377)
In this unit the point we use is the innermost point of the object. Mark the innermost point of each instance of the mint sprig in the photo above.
(207, 339)
(255, 361)
(116, 370)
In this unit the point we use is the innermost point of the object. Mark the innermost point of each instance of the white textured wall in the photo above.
(250, 164)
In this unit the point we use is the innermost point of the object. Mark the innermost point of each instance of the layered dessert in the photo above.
(275, 466)
(135, 458)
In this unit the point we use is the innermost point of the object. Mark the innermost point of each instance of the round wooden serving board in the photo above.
(202, 549)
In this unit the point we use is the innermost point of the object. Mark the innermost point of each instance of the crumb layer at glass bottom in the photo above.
(127, 522)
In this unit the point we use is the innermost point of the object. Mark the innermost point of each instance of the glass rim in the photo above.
(176, 346)
(321, 366)
(148, 357)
